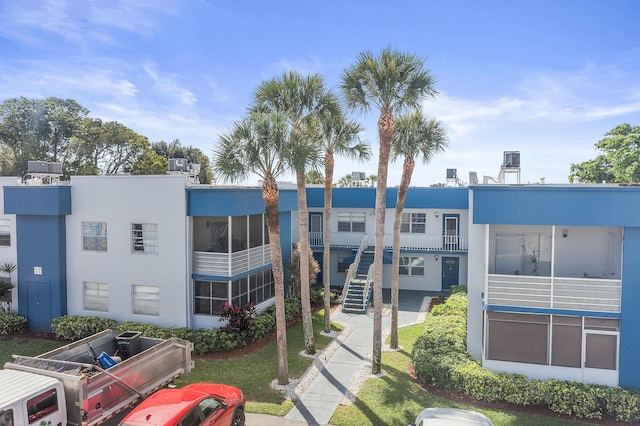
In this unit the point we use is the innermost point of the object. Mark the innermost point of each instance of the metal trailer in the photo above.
(94, 394)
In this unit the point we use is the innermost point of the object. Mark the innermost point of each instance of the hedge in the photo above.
(11, 322)
(440, 358)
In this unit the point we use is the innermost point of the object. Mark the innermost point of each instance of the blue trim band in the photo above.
(566, 312)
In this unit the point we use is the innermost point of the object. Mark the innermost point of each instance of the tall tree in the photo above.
(193, 154)
(413, 136)
(619, 161)
(255, 145)
(340, 136)
(302, 100)
(392, 82)
(314, 177)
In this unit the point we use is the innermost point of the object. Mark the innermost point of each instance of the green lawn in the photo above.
(395, 399)
(24, 346)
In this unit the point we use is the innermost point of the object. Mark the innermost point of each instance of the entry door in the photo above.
(315, 225)
(450, 272)
(39, 305)
(451, 232)
(600, 356)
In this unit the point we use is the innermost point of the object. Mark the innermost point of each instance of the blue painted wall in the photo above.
(234, 201)
(37, 200)
(630, 322)
(425, 198)
(41, 243)
(557, 205)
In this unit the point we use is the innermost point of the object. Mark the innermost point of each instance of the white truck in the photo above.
(90, 381)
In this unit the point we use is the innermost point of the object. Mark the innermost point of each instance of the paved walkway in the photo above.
(321, 398)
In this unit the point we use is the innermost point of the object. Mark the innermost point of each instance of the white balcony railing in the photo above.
(230, 264)
(577, 294)
(454, 243)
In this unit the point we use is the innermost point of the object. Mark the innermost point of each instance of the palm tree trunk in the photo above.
(270, 196)
(385, 130)
(326, 238)
(407, 172)
(305, 252)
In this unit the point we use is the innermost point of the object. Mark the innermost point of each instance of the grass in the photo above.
(24, 346)
(254, 372)
(395, 399)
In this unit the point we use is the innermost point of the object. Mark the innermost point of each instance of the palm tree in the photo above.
(314, 177)
(345, 181)
(255, 145)
(340, 137)
(413, 136)
(302, 100)
(392, 82)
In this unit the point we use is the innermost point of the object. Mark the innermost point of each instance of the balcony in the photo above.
(576, 294)
(230, 264)
(449, 243)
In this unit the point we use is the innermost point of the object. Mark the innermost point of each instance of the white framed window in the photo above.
(96, 296)
(411, 265)
(351, 221)
(5, 232)
(145, 299)
(144, 238)
(414, 223)
(94, 236)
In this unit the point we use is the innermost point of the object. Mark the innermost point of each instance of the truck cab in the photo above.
(32, 400)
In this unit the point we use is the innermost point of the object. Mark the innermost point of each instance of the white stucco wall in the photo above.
(475, 285)
(9, 254)
(120, 201)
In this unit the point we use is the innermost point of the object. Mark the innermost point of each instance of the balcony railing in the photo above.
(453, 243)
(230, 264)
(577, 294)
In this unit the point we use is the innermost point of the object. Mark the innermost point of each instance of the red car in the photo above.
(193, 405)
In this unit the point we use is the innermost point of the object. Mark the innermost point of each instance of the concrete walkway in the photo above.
(321, 398)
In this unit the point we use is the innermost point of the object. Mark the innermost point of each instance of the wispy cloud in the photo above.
(167, 85)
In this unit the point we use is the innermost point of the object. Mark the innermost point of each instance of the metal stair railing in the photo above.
(353, 268)
(366, 295)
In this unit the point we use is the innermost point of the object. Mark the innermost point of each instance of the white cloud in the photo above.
(166, 84)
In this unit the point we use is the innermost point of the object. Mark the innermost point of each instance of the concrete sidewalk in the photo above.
(321, 398)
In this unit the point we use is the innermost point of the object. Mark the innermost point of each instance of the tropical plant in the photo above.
(302, 100)
(255, 145)
(294, 271)
(6, 285)
(413, 136)
(344, 181)
(339, 137)
(314, 177)
(392, 82)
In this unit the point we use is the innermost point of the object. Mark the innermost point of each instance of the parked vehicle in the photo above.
(88, 382)
(193, 405)
(451, 417)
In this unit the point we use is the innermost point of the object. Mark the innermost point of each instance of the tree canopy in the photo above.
(619, 161)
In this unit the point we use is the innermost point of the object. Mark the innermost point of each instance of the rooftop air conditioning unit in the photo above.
(178, 164)
(54, 168)
(34, 167)
(512, 159)
(473, 178)
(358, 176)
(452, 173)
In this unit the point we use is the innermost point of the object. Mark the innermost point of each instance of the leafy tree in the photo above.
(255, 145)
(619, 161)
(302, 100)
(150, 163)
(414, 136)
(314, 177)
(371, 180)
(294, 271)
(339, 137)
(392, 81)
(344, 181)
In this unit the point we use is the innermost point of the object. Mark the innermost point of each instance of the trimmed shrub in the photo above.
(458, 289)
(11, 322)
(77, 327)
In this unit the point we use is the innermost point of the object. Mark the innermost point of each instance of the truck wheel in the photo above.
(238, 417)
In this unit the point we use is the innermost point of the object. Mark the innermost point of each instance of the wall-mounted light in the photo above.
(436, 257)
(565, 233)
(437, 213)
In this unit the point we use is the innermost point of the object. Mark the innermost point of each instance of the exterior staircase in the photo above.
(359, 288)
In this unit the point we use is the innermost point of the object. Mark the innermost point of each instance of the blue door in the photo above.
(39, 306)
(450, 272)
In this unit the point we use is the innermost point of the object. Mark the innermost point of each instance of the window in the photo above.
(94, 236)
(523, 254)
(344, 261)
(96, 296)
(6, 417)
(414, 223)
(518, 337)
(144, 237)
(239, 292)
(5, 232)
(411, 265)
(42, 405)
(208, 406)
(146, 300)
(351, 222)
(210, 296)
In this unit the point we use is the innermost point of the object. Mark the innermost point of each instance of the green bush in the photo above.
(77, 327)
(317, 296)
(440, 358)
(11, 322)
(458, 289)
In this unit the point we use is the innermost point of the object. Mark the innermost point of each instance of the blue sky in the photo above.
(546, 78)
